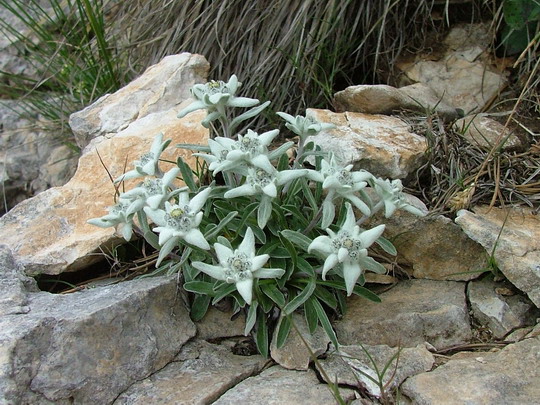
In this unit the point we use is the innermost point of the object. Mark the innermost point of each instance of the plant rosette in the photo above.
(270, 235)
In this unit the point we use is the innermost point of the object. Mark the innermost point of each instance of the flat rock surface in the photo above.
(277, 386)
(517, 250)
(383, 99)
(486, 133)
(461, 77)
(49, 234)
(200, 374)
(161, 87)
(431, 244)
(498, 308)
(381, 144)
(89, 346)
(411, 313)
(350, 364)
(507, 377)
(294, 354)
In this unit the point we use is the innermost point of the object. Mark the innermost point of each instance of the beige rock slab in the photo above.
(277, 386)
(411, 313)
(350, 364)
(516, 250)
(380, 144)
(49, 234)
(383, 99)
(484, 132)
(431, 245)
(200, 374)
(294, 355)
(508, 377)
(161, 87)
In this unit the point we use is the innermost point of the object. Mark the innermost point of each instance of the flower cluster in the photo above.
(269, 232)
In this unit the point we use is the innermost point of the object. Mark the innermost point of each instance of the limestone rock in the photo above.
(383, 99)
(31, 160)
(500, 313)
(517, 250)
(277, 386)
(161, 87)
(484, 132)
(200, 374)
(431, 244)
(411, 313)
(89, 346)
(294, 355)
(377, 143)
(217, 324)
(349, 364)
(508, 377)
(49, 234)
(460, 77)
(14, 285)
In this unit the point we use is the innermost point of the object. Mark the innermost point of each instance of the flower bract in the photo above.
(181, 221)
(240, 266)
(391, 192)
(119, 214)
(147, 165)
(348, 247)
(214, 96)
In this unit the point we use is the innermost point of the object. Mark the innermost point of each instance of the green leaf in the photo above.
(247, 115)
(251, 317)
(326, 296)
(299, 239)
(247, 211)
(187, 174)
(309, 195)
(387, 246)
(290, 248)
(221, 225)
(261, 337)
(282, 331)
(325, 322)
(224, 241)
(266, 304)
(297, 216)
(199, 307)
(300, 298)
(311, 316)
(192, 146)
(364, 292)
(304, 266)
(264, 212)
(283, 163)
(223, 291)
(280, 152)
(200, 287)
(271, 291)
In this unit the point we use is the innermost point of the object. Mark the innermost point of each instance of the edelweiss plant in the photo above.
(264, 232)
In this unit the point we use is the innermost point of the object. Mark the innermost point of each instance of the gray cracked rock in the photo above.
(89, 346)
(411, 313)
(200, 374)
(507, 377)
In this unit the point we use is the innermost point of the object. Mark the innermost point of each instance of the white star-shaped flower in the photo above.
(240, 266)
(181, 221)
(391, 192)
(118, 215)
(151, 192)
(147, 165)
(348, 247)
(214, 96)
